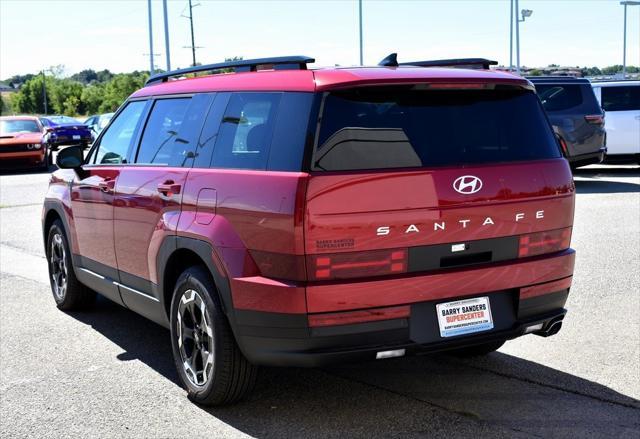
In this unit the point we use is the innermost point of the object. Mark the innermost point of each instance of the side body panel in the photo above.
(143, 218)
(623, 127)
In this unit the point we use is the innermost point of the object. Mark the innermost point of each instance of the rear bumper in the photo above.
(588, 159)
(521, 294)
(363, 341)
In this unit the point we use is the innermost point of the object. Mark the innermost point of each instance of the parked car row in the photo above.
(30, 140)
(578, 110)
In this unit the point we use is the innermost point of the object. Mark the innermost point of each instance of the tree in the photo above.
(92, 97)
(29, 99)
(119, 89)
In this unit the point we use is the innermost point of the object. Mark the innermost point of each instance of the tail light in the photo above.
(361, 316)
(563, 145)
(544, 242)
(356, 264)
(595, 119)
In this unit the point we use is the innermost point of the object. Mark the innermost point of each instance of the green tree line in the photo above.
(86, 92)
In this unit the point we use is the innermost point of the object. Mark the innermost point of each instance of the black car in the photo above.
(576, 116)
(64, 130)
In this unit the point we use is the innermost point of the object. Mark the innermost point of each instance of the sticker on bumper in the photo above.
(464, 316)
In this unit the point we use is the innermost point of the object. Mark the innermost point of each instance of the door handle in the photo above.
(107, 185)
(169, 188)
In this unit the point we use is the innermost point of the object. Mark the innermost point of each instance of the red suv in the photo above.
(284, 216)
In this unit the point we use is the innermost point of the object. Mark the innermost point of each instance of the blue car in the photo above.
(64, 130)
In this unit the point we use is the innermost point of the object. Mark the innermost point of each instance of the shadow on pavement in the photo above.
(597, 186)
(420, 396)
(26, 171)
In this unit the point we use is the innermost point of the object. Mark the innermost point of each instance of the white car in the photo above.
(621, 102)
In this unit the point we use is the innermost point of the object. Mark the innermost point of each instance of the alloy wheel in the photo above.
(195, 338)
(59, 274)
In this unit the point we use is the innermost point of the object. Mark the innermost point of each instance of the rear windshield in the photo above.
(404, 127)
(557, 97)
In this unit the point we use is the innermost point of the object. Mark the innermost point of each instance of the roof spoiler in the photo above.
(246, 65)
(461, 63)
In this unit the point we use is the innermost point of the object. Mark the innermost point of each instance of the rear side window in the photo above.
(558, 97)
(623, 98)
(397, 127)
(244, 137)
(158, 144)
(116, 140)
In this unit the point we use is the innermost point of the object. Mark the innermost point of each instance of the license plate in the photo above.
(76, 137)
(464, 316)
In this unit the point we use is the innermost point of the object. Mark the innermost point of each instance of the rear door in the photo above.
(92, 196)
(408, 169)
(148, 194)
(622, 106)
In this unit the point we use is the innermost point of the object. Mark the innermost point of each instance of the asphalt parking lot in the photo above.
(109, 372)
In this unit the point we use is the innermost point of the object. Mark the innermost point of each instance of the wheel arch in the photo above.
(53, 211)
(178, 253)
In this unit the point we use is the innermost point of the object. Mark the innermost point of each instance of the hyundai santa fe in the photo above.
(286, 216)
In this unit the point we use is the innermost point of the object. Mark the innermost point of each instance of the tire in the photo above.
(67, 290)
(219, 379)
(477, 350)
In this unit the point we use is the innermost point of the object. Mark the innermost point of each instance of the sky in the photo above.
(113, 34)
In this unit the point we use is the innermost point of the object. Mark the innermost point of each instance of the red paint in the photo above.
(262, 294)
(349, 318)
(353, 205)
(546, 288)
(326, 79)
(146, 210)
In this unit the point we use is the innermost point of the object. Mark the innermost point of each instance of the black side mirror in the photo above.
(70, 157)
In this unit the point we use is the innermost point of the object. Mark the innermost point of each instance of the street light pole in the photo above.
(150, 40)
(624, 39)
(525, 13)
(517, 39)
(511, 36)
(166, 34)
(360, 18)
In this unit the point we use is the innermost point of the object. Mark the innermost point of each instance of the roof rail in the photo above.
(245, 65)
(462, 63)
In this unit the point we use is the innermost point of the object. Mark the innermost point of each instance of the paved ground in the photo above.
(109, 373)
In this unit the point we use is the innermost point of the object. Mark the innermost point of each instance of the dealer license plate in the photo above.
(76, 137)
(464, 316)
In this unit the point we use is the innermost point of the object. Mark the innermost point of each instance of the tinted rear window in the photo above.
(623, 98)
(558, 97)
(397, 127)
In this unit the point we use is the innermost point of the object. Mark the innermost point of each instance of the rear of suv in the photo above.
(576, 116)
(285, 216)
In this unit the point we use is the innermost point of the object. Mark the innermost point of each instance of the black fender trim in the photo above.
(50, 205)
(205, 251)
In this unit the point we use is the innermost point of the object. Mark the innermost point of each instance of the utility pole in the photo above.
(150, 40)
(166, 34)
(44, 92)
(193, 43)
(360, 18)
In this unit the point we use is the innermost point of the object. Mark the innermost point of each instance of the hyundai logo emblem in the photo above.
(467, 184)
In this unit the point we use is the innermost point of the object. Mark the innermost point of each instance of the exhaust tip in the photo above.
(551, 328)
